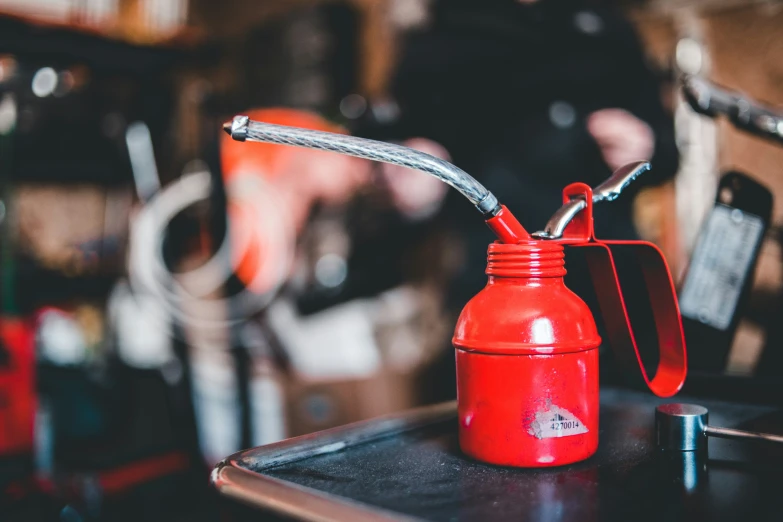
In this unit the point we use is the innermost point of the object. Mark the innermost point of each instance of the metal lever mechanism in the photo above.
(609, 190)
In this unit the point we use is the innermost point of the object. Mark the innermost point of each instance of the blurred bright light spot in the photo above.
(689, 55)
(562, 114)
(331, 270)
(353, 106)
(407, 14)
(61, 340)
(588, 22)
(44, 82)
(385, 111)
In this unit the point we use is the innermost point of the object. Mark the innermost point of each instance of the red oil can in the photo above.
(527, 363)
(526, 346)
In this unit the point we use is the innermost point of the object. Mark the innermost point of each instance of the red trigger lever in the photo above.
(572, 225)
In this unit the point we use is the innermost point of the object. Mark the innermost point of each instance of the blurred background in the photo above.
(169, 296)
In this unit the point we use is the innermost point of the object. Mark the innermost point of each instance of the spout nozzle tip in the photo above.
(506, 227)
(237, 128)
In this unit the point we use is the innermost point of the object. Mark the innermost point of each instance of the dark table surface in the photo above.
(423, 474)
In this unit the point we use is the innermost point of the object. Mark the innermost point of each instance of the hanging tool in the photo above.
(713, 100)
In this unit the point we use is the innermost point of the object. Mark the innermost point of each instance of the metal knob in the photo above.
(683, 427)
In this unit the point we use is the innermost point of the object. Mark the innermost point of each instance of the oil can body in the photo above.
(527, 363)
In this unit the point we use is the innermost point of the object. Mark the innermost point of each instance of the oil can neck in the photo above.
(526, 260)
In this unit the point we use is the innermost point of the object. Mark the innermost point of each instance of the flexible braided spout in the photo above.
(499, 219)
(242, 128)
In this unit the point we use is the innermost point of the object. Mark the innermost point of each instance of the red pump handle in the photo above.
(672, 365)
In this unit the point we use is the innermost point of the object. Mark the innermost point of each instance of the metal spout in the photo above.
(241, 128)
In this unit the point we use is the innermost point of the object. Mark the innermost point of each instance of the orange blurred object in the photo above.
(270, 190)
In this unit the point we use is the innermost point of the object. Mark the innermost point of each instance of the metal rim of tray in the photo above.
(238, 476)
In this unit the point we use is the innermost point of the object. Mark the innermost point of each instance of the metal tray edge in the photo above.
(233, 477)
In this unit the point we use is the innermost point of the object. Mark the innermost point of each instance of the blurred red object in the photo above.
(17, 386)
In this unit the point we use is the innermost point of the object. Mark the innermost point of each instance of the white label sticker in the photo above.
(556, 422)
(720, 266)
